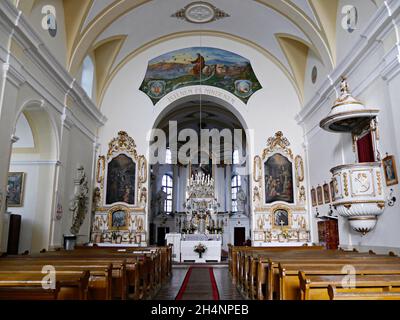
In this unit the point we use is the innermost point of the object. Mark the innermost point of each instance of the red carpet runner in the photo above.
(199, 284)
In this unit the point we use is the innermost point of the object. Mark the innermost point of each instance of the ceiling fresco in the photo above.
(200, 66)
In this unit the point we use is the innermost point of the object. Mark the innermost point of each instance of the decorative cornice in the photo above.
(122, 143)
(277, 142)
(36, 163)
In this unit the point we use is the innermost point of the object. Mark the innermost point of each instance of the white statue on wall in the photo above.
(79, 204)
(160, 202)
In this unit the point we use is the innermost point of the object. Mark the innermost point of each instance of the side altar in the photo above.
(201, 227)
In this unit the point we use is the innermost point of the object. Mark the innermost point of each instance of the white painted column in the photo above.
(10, 84)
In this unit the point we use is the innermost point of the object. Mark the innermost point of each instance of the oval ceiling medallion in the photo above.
(200, 12)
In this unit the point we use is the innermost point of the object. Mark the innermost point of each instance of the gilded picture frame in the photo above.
(320, 196)
(122, 180)
(313, 197)
(327, 196)
(332, 188)
(16, 189)
(390, 169)
(281, 217)
(118, 218)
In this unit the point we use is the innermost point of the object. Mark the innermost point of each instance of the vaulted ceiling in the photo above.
(114, 31)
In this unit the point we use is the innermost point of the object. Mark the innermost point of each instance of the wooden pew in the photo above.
(289, 282)
(117, 289)
(149, 260)
(140, 267)
(385, 294)
(316, 287)
(146, 268)
(268, 270)
(240, 254)
(23, 285)
(100, 276)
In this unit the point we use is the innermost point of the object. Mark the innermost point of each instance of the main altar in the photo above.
(201, 227)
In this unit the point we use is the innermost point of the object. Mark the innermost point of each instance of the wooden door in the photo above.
(239, 236)
(161, 232)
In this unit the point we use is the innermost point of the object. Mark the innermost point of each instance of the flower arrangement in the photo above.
(200, 249)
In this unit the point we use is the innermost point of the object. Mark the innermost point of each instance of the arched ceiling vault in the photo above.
(282, 29)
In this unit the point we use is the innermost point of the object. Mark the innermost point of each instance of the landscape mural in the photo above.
(211, 66)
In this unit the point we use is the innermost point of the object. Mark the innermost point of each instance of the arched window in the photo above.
(87, 76)
(236, 182)
(167, 187)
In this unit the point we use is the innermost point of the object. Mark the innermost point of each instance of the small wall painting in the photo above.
(313, 197)
(15, 189)
(327, 197)
(320, 196)
(389, 166)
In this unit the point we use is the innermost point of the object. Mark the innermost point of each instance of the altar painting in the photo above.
(278, 179)
(121, 177)
(200, 65)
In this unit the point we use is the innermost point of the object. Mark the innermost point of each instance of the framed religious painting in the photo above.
(15, 189)
(320, 195)
(332, 187)
(389, 167)
(278, 173)
(282, 217)
(327, 196)
(121, 180)
(118, 218)
(314, 197)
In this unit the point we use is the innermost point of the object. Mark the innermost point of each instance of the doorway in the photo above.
(161, 232)
(239, 236)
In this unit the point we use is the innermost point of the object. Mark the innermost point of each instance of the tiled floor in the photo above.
(199, 287)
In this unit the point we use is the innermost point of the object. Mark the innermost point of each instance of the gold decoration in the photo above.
(302, 194)
(298, 161)
(256, 195)
(381, 205)
(143, 196)
(101, 162)
(278, 142)
(379, 181)
(122, 143)
(260, 223)
(275, 209)
(346, 187)
(257, 169)
(126, 218)
(142, 169)
(349, 203)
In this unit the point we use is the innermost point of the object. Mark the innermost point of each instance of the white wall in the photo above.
(57, 44)
(374, 79)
